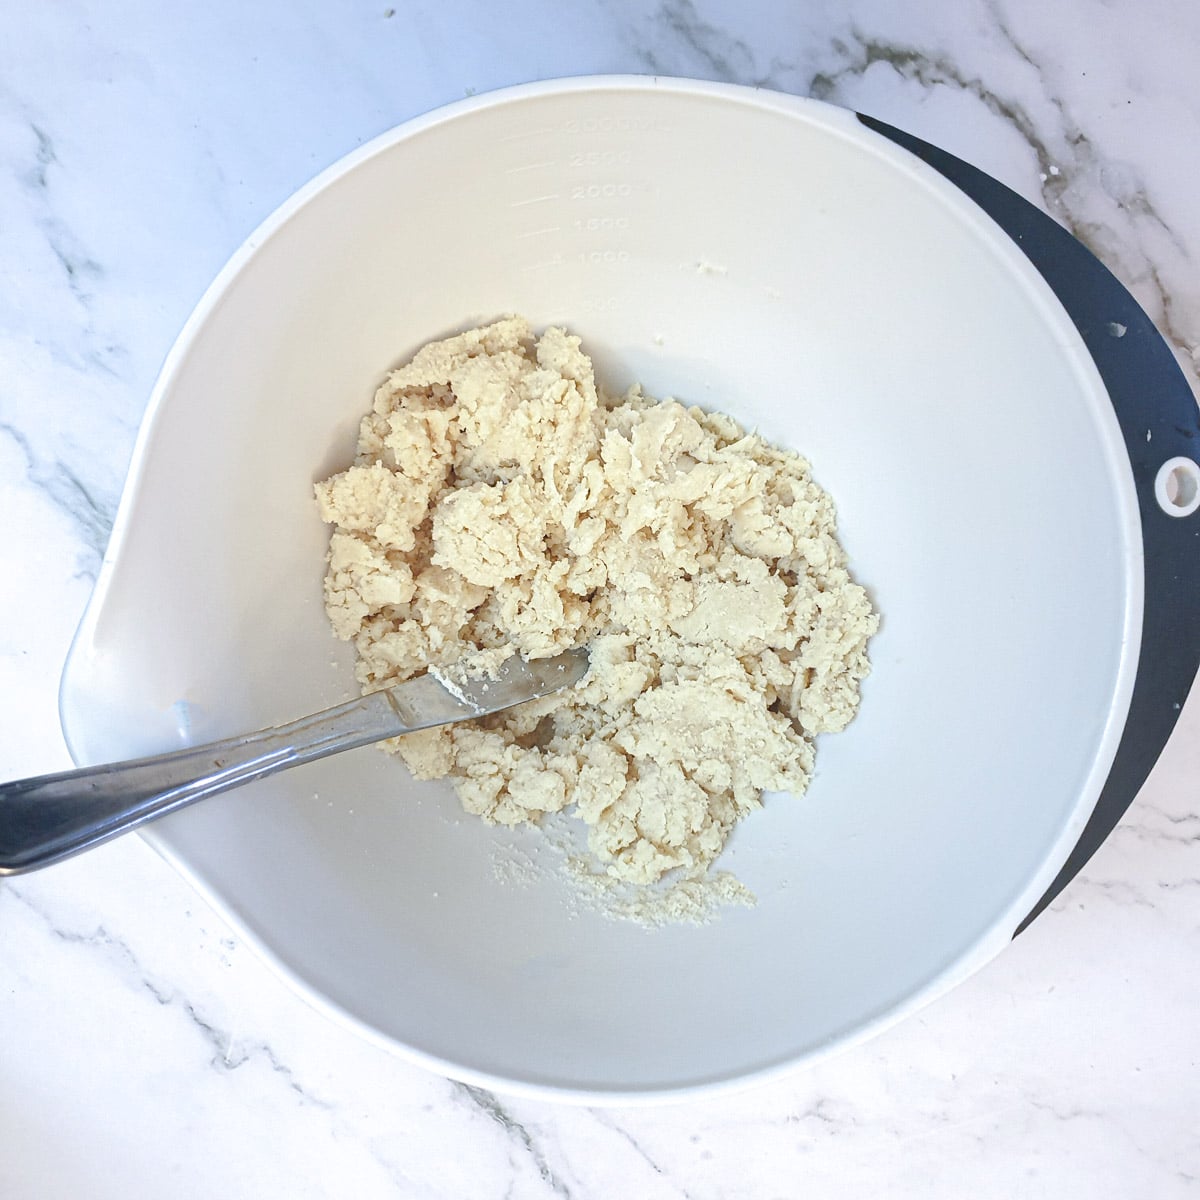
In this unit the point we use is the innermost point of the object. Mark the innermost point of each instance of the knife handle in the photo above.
(47, 818)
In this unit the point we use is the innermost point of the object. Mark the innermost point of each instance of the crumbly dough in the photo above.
(499, 500)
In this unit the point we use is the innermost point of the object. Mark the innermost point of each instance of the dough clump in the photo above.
(499, 500)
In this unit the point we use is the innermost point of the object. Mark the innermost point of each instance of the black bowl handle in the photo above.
(1159, 421)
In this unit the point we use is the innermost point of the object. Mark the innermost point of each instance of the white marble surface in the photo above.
(143, 1050)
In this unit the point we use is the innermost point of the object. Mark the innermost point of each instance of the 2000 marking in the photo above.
(601, 191)
(601, 224)
(599, 158)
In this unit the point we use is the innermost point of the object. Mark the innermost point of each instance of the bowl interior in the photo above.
(756, 254)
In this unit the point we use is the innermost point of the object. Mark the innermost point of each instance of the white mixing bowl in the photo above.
(746, 251)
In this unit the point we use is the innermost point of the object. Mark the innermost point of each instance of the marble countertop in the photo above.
(145, 1051)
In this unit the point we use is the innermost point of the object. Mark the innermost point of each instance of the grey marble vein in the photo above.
(718, 53)
(75, 366)
(489, 1104)
(614, 1127)
(1115, 891)
(1067, 1113)
(220, 1040)
(1141, 823)
(36, 176)
(678, 35)
(930, 69)
(92, 513)
(1133, 199)
(1175, 885)
(819, 1110)
(80, 269)
(1128, 193)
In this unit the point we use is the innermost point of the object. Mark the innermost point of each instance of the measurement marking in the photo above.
(540, 232)
(541, 266)
(533, 200)
(516, 137)
(537, 166)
